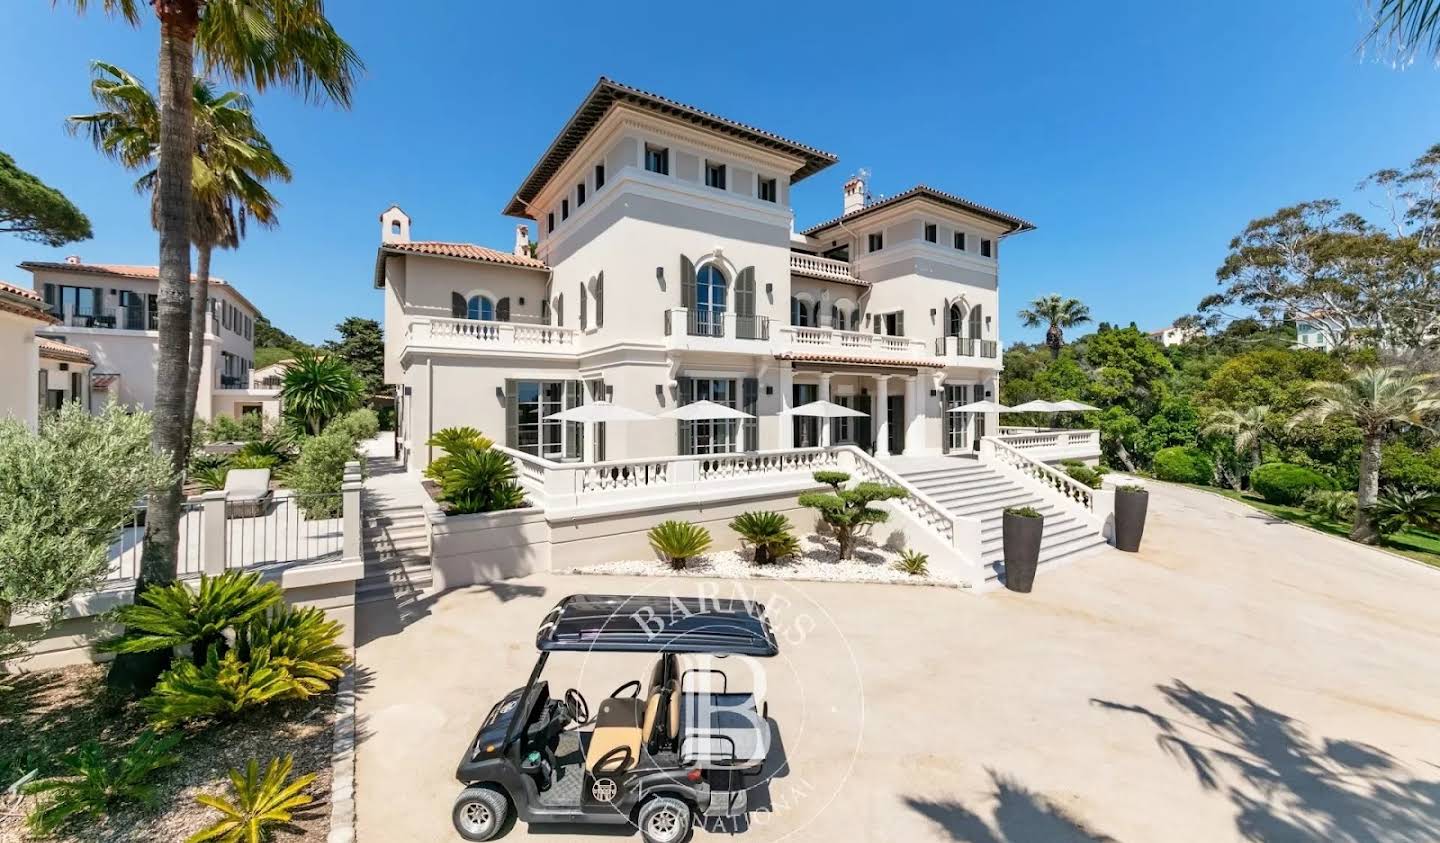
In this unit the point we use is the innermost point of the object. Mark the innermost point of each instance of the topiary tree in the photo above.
(848, 511)
(1183, 465)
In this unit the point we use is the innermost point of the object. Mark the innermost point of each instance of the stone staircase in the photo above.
(968, 488)
(397, 555)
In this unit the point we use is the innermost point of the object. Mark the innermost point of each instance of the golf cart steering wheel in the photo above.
(579, 709)
(620, 691)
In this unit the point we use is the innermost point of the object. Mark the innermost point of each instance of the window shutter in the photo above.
(457, 306)
(600, 301)
(50, 295)
(750, 399)
(560, 310)
(512, 414)
(502, 310)
(687, 283)
(863, 426)
(583, 317)
(975, 322)
(44, 387)
(816, 313)
(574, 397)
(686, 390)
(900, 324)
(745, 292)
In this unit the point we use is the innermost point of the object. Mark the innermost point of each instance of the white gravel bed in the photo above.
(818, 561)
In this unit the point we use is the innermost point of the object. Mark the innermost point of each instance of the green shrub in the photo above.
(1403, 466)
(243, 461)
(94, 784)
(768, 533)
(480, 481)
(256, 803)
(359, 425)
(301, 642)
(275, 447)
(247, 428)
(1181, 464)
(913, 562)
(1084, 474)
(1283, 483)
(173, 615)
(319, 387)
(678, 541)
(1332, 504)
(210, 478)
(847, 511)
(1023, 512)
(317, 474)
(1403, 509)
(452, 442)
(221, 688)
(833, 479)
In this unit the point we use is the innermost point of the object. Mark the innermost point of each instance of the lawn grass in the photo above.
(1416, 544)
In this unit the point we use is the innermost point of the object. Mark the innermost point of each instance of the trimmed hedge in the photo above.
(1283, 483)
(1180, 464)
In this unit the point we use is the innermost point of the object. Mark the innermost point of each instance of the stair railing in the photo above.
(960, 533)
(1098, 505)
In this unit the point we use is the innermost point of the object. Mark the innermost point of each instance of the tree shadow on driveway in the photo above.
(1286, 783)
(1019, 815)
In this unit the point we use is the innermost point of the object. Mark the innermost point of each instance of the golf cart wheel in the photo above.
(664, 819)
(480, 813)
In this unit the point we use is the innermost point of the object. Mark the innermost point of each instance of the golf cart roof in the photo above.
(650, 624)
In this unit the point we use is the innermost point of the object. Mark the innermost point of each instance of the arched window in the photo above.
(954, 321)
(480, 307)
(799, 312)
(855, 319)
(975, 322)
(837, 318)
(710, 289)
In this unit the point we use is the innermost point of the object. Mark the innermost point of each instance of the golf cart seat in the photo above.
(722, 730)
(615, 743)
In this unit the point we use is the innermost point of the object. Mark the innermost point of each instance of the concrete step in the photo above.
(993, 546)
(1049, 557)
(1012, 496)
(957, 495)
(927, 475)
(407, 534)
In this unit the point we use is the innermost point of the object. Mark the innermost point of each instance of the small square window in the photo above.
(987, 248)
(549, 222)
(876, 242)
(714, 175)
(599, 176)
(766, 191)
(564, 209)
(579, 194)
(931, 232)
(960, 240)
(657, 159)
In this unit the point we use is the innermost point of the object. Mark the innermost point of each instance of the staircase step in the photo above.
(1001, 501)
(930, 474)
(1050, 555)
(993, 545)
(958, 494)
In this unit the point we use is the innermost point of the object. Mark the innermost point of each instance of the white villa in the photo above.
(668, 270)
(108, 311)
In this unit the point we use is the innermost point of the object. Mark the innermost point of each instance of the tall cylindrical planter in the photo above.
(1021, 534)
(1130, 507)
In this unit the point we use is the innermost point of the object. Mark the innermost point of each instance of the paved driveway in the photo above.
(1238, 679)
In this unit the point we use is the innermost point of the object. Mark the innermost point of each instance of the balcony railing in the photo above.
(717, 324)
(836, 339)
(818, 267)
(966, 347)
(473, 333)
(132, 318)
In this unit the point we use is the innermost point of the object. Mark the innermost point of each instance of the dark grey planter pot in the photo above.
(1021, 537)
(1130, 510)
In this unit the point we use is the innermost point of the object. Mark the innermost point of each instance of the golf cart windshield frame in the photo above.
(602, 623)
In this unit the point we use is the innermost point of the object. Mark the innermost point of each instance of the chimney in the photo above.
(522, 240)
(73, 260)
(854, 194)
(394, 226)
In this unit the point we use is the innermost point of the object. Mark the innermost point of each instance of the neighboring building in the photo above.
(64, 375)
(21, 312)
(1309, 335)
(110, 311)
(668, 271)
(1175, 335)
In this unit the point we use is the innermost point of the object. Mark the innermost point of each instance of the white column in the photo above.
(589, 436)
(882, 415)
(915, 415)
(787, 425)
(825, 422)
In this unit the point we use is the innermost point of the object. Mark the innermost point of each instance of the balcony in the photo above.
(715, 325)
(498, 337)
(135, 318)
(849, 342)
(967, 347)
(826, 269)
(1053, 444)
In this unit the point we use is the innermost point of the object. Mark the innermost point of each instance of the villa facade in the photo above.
(668, 269)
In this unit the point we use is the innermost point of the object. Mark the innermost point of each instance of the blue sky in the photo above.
(1139, 136)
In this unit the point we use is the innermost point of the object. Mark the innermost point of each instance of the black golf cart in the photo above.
(659, 749)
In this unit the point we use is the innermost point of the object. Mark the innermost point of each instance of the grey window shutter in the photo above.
(512, 413)
(44, 387)
(98, 305)
(976, 320)
(686, 389)
(583, 318)
(560, 310)
(502, 310)
(600, 301)
(600, 395)
(900, 324)
(687, 282)
(457, 306)
(50, 295)
(750, 399)
(574, 397)
(745, 292)
(816, 311)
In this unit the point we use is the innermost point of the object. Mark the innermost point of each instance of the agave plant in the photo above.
(173, 615)
(301, 642)
(210, 477)
(256, 802)
(768, 533)
(481, 481)
(94, 783)
(913, 562)
(678, 541)
(221, 688)
(1400, 509)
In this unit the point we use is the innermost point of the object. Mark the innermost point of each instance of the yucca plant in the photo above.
(913, 562)
(256, 803)
(848, 511)
(319, 387)
(481, 481)
(768, 533)
(173, 615)
(678, 541)
(301, 642)
(210, 478)
(221, 688)
(94, 782)
(1402, 508)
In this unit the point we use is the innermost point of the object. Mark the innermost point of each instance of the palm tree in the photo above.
(262, 43)
(232, 161)
(1377, 399)
(1246, 428)
(1406, 25)
(319, 387)
(1058, 313)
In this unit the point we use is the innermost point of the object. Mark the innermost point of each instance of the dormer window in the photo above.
(714, 175)
(657, 159)
(931, 232)
(987, 249)
(875, 242)
(960, 240)
(580, 194)
(765, 190)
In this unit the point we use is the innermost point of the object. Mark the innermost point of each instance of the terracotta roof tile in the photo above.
(13, 290)
(823, 357)
(466, 251)
(57, 350)
(23, 302)
(1017, 224)
(124, 270)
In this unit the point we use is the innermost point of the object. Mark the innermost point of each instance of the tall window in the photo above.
(800, 313)
(564, 209)
(876, 241)
(480, 307)
(657, 159)
(766, 191)
(599, 177)
(807, 428)
(580, 194)
(714, 175)
(975, 322)
(987, 248)
(710, 436)
(709, 297)
(955, 422)
(954, 322)
(550, 222)
(532, 432)
(930, 232)
(960, 240)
